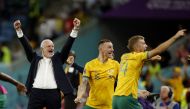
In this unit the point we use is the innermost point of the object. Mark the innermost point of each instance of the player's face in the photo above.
(48, 49)
(107, 49)
(141, 45)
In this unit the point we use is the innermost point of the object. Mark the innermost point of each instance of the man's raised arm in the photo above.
(67, 47)
(162, 47)
(24, 41)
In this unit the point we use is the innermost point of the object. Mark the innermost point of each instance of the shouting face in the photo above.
(47, 48)
(107, 49)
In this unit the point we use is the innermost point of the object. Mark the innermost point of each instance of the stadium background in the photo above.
(117, 20)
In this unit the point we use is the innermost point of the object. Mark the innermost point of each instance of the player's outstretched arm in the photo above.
(162, 47)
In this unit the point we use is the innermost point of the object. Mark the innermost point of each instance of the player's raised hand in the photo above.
(156, 58)
(181, 33)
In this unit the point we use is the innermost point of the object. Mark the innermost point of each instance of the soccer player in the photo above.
(131, 64)
(101, 74)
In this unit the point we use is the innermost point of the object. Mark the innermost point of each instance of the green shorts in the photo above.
(125, 102)
(3, 99)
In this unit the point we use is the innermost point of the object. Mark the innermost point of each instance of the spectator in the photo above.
(188, 98)
(5, 54)
(176, 82)
(182, 52)
(166, 99)
(154, 68)
(72, 71)
(148, 83)
(185, 99)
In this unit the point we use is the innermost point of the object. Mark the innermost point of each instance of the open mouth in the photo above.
(51, 51)
(111, 53)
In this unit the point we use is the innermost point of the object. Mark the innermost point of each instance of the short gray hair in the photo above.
(42, 43)
(166, 87)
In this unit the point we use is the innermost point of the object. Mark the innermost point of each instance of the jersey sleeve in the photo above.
(143, 55)
(86, 72)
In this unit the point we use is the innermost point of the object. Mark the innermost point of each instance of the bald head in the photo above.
(47, 48)
(44, 42)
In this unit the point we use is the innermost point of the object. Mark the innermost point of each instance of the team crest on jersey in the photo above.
(97, 77)
(110, 73)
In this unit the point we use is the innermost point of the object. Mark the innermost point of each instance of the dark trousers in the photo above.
(49, 98)
(69, 102)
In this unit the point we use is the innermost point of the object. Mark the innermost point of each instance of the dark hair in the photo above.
(133, 40)
(72, 53)
(103, 41)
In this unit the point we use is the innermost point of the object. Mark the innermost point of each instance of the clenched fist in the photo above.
(17, 25)
(76, 23)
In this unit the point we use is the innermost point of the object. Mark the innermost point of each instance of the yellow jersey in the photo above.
(130, 68)
(102, 78)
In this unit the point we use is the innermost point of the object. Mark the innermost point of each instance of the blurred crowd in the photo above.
(176, 75)
(51, 19)
(44, 19)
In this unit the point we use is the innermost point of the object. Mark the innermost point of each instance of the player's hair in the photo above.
(103, 41)
(132, 41)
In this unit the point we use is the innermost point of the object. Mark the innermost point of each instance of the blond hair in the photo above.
(132, 41)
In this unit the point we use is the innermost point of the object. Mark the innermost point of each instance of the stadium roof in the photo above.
(152, 9)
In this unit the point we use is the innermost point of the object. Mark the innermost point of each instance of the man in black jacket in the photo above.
(46, 77)
(74, 73)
